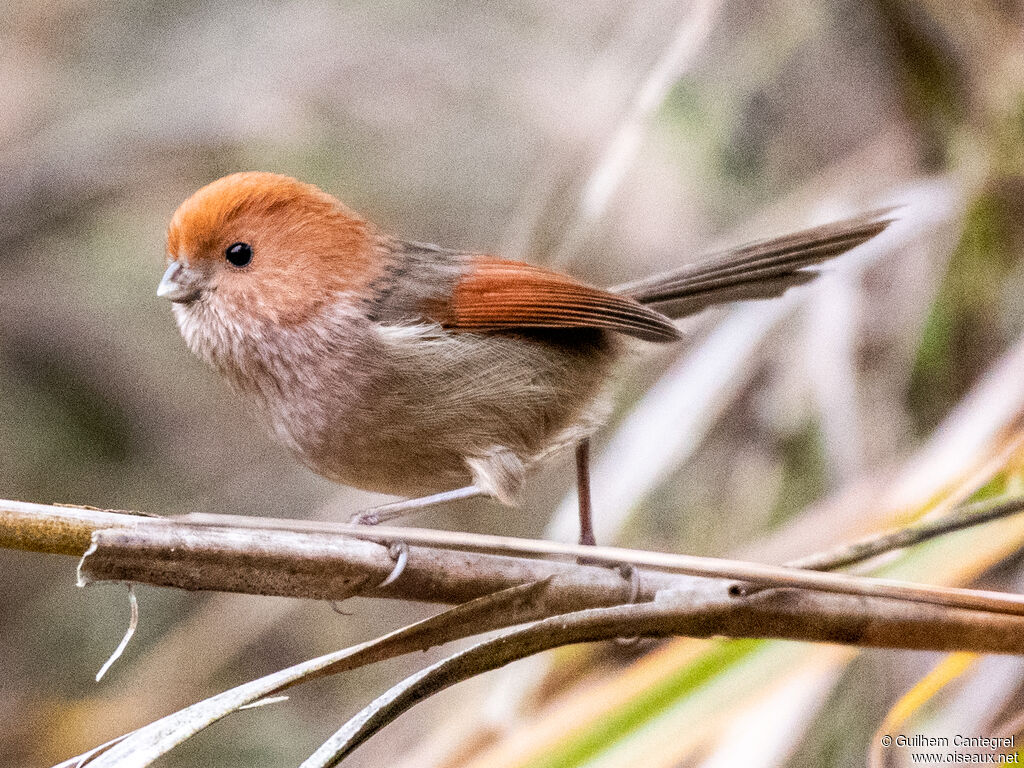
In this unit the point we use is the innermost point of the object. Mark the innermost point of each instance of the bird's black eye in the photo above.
(238, 254)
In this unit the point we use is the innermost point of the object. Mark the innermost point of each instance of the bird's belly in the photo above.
(437, 399)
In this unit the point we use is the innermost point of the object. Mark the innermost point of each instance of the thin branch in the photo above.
(715, 615)
(956, 519)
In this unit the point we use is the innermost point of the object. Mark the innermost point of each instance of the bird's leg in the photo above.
(583, 500)
(583, 493)
(587, 538)
(396, 509)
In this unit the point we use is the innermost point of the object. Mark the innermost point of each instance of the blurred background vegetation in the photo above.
(538, 130)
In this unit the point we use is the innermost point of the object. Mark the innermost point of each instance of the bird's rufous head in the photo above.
(265, 246)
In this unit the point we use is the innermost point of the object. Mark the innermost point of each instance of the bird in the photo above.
(425, 372)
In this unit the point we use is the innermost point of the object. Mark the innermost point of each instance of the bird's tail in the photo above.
(759, 270)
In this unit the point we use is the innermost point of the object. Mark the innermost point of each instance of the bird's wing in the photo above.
(495, 294)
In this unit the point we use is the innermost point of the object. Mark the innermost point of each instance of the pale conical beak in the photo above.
(178, 284)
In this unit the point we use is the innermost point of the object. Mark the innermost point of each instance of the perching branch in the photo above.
(333, 566)
(257, 556)
(219, 552)
(58, 529)
(555, 602)
(332, 561)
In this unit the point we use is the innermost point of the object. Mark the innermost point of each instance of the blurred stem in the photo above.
(963, 332)
(936, 87)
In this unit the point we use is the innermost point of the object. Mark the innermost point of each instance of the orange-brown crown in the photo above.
(306, 245)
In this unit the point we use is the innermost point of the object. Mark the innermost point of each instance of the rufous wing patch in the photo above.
(497, 294)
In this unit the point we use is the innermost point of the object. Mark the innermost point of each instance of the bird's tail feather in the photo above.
(759, 270)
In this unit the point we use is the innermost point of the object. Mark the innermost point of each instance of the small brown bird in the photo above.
(413, 370)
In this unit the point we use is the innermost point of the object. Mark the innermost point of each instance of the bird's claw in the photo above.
(399, 552)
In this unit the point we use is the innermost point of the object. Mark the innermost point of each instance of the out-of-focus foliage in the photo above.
(480, 126)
